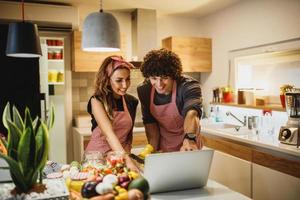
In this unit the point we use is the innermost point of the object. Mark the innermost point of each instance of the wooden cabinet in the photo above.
(89, 61)
(231, 171)
(256, 172)
(195, 53)
(272, 184)
(231, 165)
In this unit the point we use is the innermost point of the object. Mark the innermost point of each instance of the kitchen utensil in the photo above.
(288, 134)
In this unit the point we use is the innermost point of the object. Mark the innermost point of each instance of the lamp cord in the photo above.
(23, 10)
(101, 10)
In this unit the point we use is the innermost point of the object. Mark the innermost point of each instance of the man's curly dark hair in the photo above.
(161, 62)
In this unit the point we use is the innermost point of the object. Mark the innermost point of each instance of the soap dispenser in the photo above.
(212, 116)
(218, 116)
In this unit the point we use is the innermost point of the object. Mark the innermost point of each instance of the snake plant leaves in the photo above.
(51, 118)
(6, 115)
(28, 119)
(17, 119)
(14, 135)
(15, 171)
(26, 151)
(27, 146)
(42, 145)
(35, 123)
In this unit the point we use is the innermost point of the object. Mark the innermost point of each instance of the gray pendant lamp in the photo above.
(101, 32)
(23, 39)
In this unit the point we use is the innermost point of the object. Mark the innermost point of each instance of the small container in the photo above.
(92, 159)
(241, 97)
(50, 55)
(58, 55)
(115, 157)
(49, 42)
(59, 43)
(52, 76)
(60, 76)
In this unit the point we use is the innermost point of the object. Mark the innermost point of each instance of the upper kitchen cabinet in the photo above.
(90, 61)
(195, 53)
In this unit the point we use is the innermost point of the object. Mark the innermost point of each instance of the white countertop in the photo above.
(212, 191)
(265, 141)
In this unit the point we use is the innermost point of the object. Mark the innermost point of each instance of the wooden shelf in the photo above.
(273, 107)
(56, 60)
(56, 83)
(55, 47)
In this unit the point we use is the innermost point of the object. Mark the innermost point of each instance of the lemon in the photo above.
(76, 185)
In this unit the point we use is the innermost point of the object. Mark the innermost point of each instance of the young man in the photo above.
(171, 103)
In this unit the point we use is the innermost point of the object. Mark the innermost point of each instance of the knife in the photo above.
(137, 158)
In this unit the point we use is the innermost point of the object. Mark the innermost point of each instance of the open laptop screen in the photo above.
(177, 170)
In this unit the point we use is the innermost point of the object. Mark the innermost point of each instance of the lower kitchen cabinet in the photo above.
(272, 184)
(231, 171)
(254, 172)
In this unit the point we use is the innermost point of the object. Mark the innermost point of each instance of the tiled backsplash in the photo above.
(83, 89)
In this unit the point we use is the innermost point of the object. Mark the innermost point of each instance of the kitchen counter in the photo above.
(212, 191)
(259, 162)
(267, 142)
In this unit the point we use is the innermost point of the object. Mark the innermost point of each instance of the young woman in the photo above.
(112, 110)
(171, 103)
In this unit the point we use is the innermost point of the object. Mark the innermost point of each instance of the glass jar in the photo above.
(60, 76)
(52, 76)
(92, 159)
(114, 158)
(58, 55)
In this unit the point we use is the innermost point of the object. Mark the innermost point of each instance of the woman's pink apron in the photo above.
(122, 125)
(170, 122)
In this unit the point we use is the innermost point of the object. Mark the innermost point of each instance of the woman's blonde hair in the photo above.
(102, 88)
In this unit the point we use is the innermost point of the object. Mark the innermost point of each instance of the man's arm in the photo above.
(191, 125)
(153, 136)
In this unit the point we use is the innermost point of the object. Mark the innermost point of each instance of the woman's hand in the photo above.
(130, 164)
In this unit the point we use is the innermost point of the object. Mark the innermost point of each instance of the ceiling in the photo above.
(184, 8)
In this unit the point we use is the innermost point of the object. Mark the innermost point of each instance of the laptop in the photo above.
(177, 170)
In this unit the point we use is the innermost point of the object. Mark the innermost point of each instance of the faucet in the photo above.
(244, 123)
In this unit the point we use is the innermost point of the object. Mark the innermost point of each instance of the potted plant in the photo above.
(283, 89)
(27, 148)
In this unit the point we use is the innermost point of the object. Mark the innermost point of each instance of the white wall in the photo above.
(177, 26)
(245, 24)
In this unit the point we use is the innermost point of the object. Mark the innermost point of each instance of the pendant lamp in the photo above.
(23, 39)
(101, 32)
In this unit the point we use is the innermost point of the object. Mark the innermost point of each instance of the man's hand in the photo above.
(188, 145)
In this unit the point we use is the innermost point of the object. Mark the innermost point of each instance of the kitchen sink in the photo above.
(229, 128)
(221, 126)
(237, 131)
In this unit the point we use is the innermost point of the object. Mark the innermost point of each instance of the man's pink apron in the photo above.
(170, 122)
(122, 125)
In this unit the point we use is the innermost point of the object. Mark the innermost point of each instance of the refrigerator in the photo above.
(52, 87)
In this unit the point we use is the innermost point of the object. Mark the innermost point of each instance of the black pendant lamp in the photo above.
(101, 32)
(23, 40)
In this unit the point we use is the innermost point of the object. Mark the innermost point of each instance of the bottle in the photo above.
(218, 116)
(212, 116)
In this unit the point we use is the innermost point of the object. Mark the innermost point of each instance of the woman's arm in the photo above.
(153, 136)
